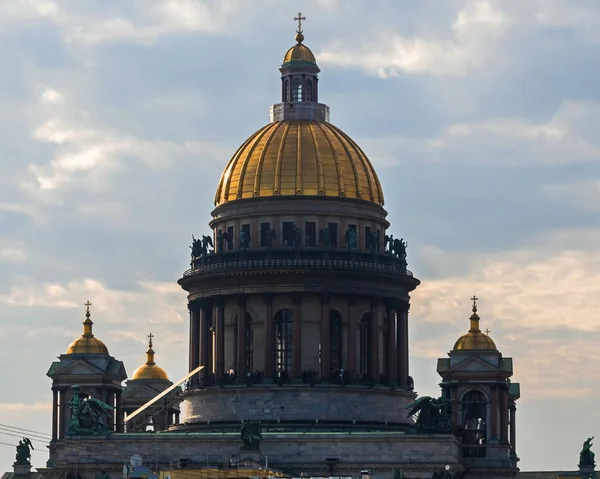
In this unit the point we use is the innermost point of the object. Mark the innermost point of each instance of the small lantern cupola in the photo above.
(299, 71)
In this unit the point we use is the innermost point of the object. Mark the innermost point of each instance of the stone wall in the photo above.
(298, 403)
(418, 455)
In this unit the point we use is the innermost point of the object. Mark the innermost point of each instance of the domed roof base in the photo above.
(473, 341)
(299, 158)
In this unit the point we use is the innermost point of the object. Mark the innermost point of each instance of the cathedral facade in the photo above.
(299, 304)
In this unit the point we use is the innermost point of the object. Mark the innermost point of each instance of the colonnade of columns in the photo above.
(501, 409)
(390, 318)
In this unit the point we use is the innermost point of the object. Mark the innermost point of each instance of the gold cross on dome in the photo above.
(150, 336)
(474, 299)
(87, 307)
(299, 19)
(487, 331)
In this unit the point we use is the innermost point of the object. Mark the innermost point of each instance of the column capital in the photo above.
(325, 298)
(374, 301)
(297, 297)
(194, 306)
(219, 301)
(268, 298)
(241, 300)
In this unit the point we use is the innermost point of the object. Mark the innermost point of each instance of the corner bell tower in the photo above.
(476, 378)
(299, 84)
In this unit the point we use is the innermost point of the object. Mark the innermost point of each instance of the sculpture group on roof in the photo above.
(88, 415)
(24, 448)
(202, 247)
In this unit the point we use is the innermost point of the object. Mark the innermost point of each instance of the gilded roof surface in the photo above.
(87, 343)
(475, 340)
(299, 158)
(299, 53)
(149, 370)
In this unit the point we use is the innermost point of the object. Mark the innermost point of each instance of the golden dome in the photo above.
(475, 340)
(299, 53)
(299, 158)
(149, 370)
(87, 343)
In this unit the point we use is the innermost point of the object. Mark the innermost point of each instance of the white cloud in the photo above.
(149, 20)
(12, 253)
(476, 28)
(540, 302)
(93, 155)
(51, 96)
(569, 136)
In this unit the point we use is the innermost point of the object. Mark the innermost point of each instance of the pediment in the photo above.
(473, 365)
(142, 391)
(78, 367)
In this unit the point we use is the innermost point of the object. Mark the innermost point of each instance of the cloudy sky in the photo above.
(481, 116)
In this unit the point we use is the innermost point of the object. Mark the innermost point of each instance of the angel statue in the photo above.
(24, 452)
(196, 247)
(89, 416)
(251, 434)
(433, 414)
(586, 456)
(206, 242)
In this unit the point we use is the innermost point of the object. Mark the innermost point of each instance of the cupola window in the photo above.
(308, 95)
(297, 90)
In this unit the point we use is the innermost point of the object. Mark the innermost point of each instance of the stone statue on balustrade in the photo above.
(372, 242)
(244, 239)
(400, 248)
(388, 243)
(586, 456)
(24, 448)
(268, 237)
(200, 246)
(351, 238)
(297, 236)
(89, 416)
(324, 237)
(251, 435)
(222, 239)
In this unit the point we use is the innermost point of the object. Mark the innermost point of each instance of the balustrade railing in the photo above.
(298, 258)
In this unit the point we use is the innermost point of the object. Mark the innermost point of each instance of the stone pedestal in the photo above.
(21, 469)
(587, 471)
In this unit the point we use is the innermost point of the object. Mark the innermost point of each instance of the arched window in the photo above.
(365, 341)
(297, 90)
(287, 91)
(283, 340)
(335, 338)
(249, 351)
(474, 420)
(308, 94)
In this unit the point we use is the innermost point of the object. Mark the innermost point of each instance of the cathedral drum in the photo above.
(299, 298)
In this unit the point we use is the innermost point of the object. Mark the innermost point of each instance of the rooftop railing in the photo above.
(298, 259)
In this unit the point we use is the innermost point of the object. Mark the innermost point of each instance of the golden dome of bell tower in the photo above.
(149, 370)
(87, 343)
